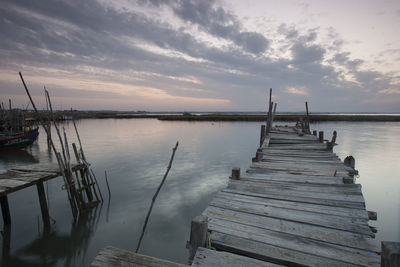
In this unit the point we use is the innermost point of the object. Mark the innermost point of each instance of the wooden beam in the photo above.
(235, 174)
(390, 256)
(5, 210)
(198, 235)
(321, 136)
(43, 205)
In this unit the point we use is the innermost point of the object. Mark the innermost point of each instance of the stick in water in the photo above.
(156, 194)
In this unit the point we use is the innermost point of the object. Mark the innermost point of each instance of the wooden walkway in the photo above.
(292, 207)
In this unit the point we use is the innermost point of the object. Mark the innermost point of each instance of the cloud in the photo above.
(200, 54)
(297, 90)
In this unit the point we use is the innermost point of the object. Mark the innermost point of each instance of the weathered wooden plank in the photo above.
(285, 177)
(315, 232)
(355, 225)
(339, 211)
(259, 188)
(207, 257)
(351, 189)
(303, 166)
(300, 244)
(290, 197)
(266, 252)
(11, 183)
(110, 256)
(270, 171)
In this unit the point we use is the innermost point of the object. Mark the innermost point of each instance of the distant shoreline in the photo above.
(235, 117)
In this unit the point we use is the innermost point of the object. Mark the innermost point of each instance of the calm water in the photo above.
(135, 154)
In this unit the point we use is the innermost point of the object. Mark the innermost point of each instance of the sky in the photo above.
(202, 55)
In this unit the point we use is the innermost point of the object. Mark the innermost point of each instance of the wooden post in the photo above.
(321, 136)
(372, 215)
(43, 205)
(235, 174)
(348, 180)
(350, 161)
(259, 155)
(198, 235)
(390, 256)
(332, 142)
(314, 132)
(262, 134)
(6, 242)
(5, 210)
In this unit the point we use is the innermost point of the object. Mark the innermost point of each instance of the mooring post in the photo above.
(43, 205)
(262, 135)
(235, 174)
(321, 136)
(198, 235)
(390, 256)
(350, 161)
(5, 210)
(6, 241)
(259, 155)
(314, 132)
(332, 142)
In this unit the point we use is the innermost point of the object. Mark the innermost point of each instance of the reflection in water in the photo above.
(20, 157)
(53, 247)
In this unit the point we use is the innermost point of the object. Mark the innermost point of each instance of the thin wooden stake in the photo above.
(155, 195)
(108, 186)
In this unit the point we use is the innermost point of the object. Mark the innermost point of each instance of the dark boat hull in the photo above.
(19, 141)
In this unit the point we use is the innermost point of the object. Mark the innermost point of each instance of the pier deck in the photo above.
(292, 207)
(20, 178)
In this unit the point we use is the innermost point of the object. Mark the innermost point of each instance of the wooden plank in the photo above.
(339, 211)
(207, 257)
(110, 256)
(11, 183)
(269, 171)
(290, 197)
(351, 189)
(259, 188)
(299, 244)
(315, 232)
(279, 177)
(355, 225)
(266, 252)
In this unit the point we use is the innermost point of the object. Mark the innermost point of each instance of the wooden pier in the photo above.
(20, 178)
(296, 205)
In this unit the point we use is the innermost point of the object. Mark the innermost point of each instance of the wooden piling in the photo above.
(5, 210)
(198, 235)
(43, 205)
(262, 134)
(390, 256)
(259, 155)
(314, 132)
(350, 161)
(235, 174)
(321, 136)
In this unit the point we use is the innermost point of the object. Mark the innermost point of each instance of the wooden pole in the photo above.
(5, 210)
(314, 132)
(262, 135)
(43, 206)
(321, 136)
(198, 235)
(390, 256)
(307, 120)
(155, 196)
(235, 174)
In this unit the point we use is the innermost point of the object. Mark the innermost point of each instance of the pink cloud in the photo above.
(297, 90)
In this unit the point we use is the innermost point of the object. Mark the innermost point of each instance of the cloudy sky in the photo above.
(175, 55)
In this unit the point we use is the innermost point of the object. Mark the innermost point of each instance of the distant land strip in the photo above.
(237, 117)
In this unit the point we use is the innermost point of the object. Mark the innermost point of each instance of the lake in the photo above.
(135, 154)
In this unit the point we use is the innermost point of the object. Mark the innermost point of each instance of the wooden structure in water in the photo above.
(19, 178)
(296, 205)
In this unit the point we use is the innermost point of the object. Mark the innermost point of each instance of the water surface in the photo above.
(135, 153)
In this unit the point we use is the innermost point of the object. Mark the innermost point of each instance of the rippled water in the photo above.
(135, 154)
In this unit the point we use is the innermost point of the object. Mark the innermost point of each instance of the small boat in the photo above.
(18, 140)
